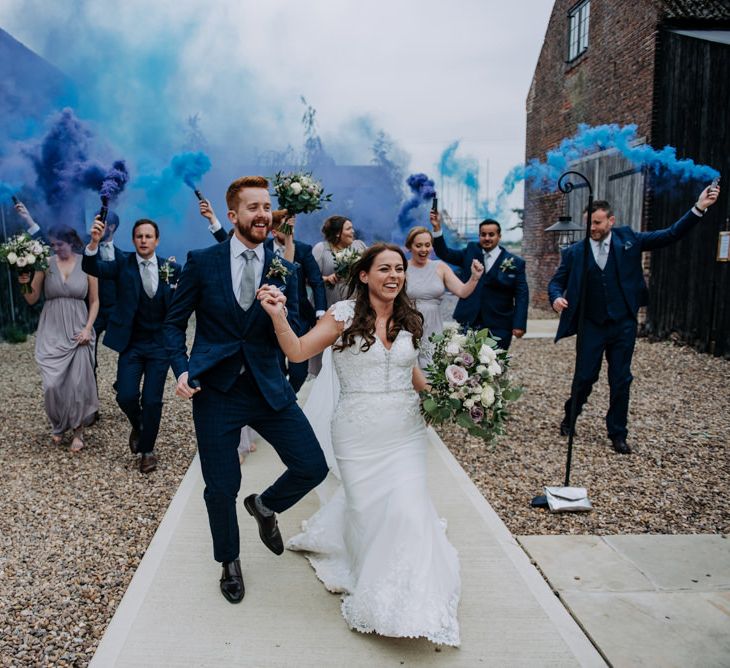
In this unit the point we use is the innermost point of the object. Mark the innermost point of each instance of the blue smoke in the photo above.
(422, 190)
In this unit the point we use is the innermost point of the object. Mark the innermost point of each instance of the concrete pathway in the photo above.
(645, 600)
(173, 614)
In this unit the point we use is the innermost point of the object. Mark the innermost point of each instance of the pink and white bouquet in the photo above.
(470, 384)
(25, 255)
(298, 192)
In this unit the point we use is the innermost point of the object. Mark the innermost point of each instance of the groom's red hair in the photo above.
(239, 184)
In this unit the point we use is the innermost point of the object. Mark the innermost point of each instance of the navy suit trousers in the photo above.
(218, 418)
(150, 360)
(616, 340)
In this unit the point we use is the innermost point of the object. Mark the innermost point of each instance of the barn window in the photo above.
(578, 19)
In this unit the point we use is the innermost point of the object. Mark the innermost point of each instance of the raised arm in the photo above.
(108, 269)
(443, 252)
(454, 285)
(297, 349)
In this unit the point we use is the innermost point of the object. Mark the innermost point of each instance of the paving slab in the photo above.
(644, 600)
(173, 614)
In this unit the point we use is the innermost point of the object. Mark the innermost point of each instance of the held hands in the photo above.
(435, 218)
(477, 269)
(560, 304)
(273, 300)
(182, 389)
(708, 197)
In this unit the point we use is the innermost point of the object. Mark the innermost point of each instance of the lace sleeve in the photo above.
(344, 311)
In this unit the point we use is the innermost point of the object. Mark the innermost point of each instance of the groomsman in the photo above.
(144, 285)
(501, 297)
(615, 291)
(308, 274)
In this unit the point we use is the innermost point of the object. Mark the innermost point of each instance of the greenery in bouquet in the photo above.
(25, 255)
(470, 383)
(298, 192)
(344, 259)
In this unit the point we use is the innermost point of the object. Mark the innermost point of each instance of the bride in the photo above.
(378, 540)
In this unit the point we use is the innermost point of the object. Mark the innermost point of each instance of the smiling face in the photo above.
(601, 224)
(252, 217)
(421, 248)
(145, 240)
(386, 276)
(489, 236)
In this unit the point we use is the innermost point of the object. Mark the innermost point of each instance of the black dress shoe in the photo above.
(565, 429)
(232, 582)
(148, 462)
(620, 445)
(134, 441)
(268, 526)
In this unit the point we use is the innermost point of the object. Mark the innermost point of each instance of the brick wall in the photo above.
(611, 82)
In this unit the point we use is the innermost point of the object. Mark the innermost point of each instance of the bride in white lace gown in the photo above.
(378, 540)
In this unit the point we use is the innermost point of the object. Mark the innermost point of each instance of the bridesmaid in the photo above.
(426, 282)
(65, 340)
(338, 234)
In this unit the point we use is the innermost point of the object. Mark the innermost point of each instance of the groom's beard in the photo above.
(254, 233)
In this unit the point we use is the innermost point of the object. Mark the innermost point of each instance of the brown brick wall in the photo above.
(612, 82)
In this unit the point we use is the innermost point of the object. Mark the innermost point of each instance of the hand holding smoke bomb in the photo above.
(715, 185)
(199, 195)
(435, 203)
(104, 212)
(16, 201)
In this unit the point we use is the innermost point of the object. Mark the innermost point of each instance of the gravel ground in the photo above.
(73, 528)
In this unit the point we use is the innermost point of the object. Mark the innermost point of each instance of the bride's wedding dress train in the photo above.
(378, 540)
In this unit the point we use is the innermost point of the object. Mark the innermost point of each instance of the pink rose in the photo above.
(456, 375)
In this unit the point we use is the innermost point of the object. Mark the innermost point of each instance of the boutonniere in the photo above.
(167, 270)
(628, 245)
(507, 264)
(277, 270)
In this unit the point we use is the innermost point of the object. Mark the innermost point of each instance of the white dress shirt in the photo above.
(493, 255)
(238, 260)
(106, 250)
(596, 246)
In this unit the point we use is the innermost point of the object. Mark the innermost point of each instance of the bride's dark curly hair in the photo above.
(405, 317)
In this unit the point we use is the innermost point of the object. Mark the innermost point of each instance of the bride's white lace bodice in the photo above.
(376, 370)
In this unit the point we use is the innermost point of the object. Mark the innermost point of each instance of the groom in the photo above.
(234, 378)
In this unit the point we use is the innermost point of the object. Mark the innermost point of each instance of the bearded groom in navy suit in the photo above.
(234, 378)
(500, 300)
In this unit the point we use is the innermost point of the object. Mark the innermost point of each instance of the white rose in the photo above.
(452, 348)
(36, 248)
(487, 396)
(454, 395)
(296, 188)
(459, 338)
(481, 369)
(21, 262)
(495, 369)
(487, 354)
(30, 258)
(12, 258)
(469, 403)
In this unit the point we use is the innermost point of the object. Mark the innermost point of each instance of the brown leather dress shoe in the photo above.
(148, 462)
(268, 526)
(232, 582)
(619, 445)
(134, 441)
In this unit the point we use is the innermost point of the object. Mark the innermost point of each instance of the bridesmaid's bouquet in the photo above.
(25, 255)
(298, 192)
(344, 259)
(469, 383)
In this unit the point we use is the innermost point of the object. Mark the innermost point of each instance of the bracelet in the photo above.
(698, 211)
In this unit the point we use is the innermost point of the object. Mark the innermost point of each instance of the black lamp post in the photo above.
(566, 231)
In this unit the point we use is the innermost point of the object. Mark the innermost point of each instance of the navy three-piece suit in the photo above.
(500, 300)
(235, 358)
(134, 330)
(614, 296)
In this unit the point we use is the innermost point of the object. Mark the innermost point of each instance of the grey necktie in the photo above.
(602, 257)
(106, 251)
(248, 280)
(147, 278)
(486, 260)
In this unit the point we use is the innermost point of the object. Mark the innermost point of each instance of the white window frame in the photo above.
(578, 25)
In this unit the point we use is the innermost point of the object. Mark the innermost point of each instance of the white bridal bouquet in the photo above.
(469, 382)
(344, 259)
(298, 192)
(25, 255)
